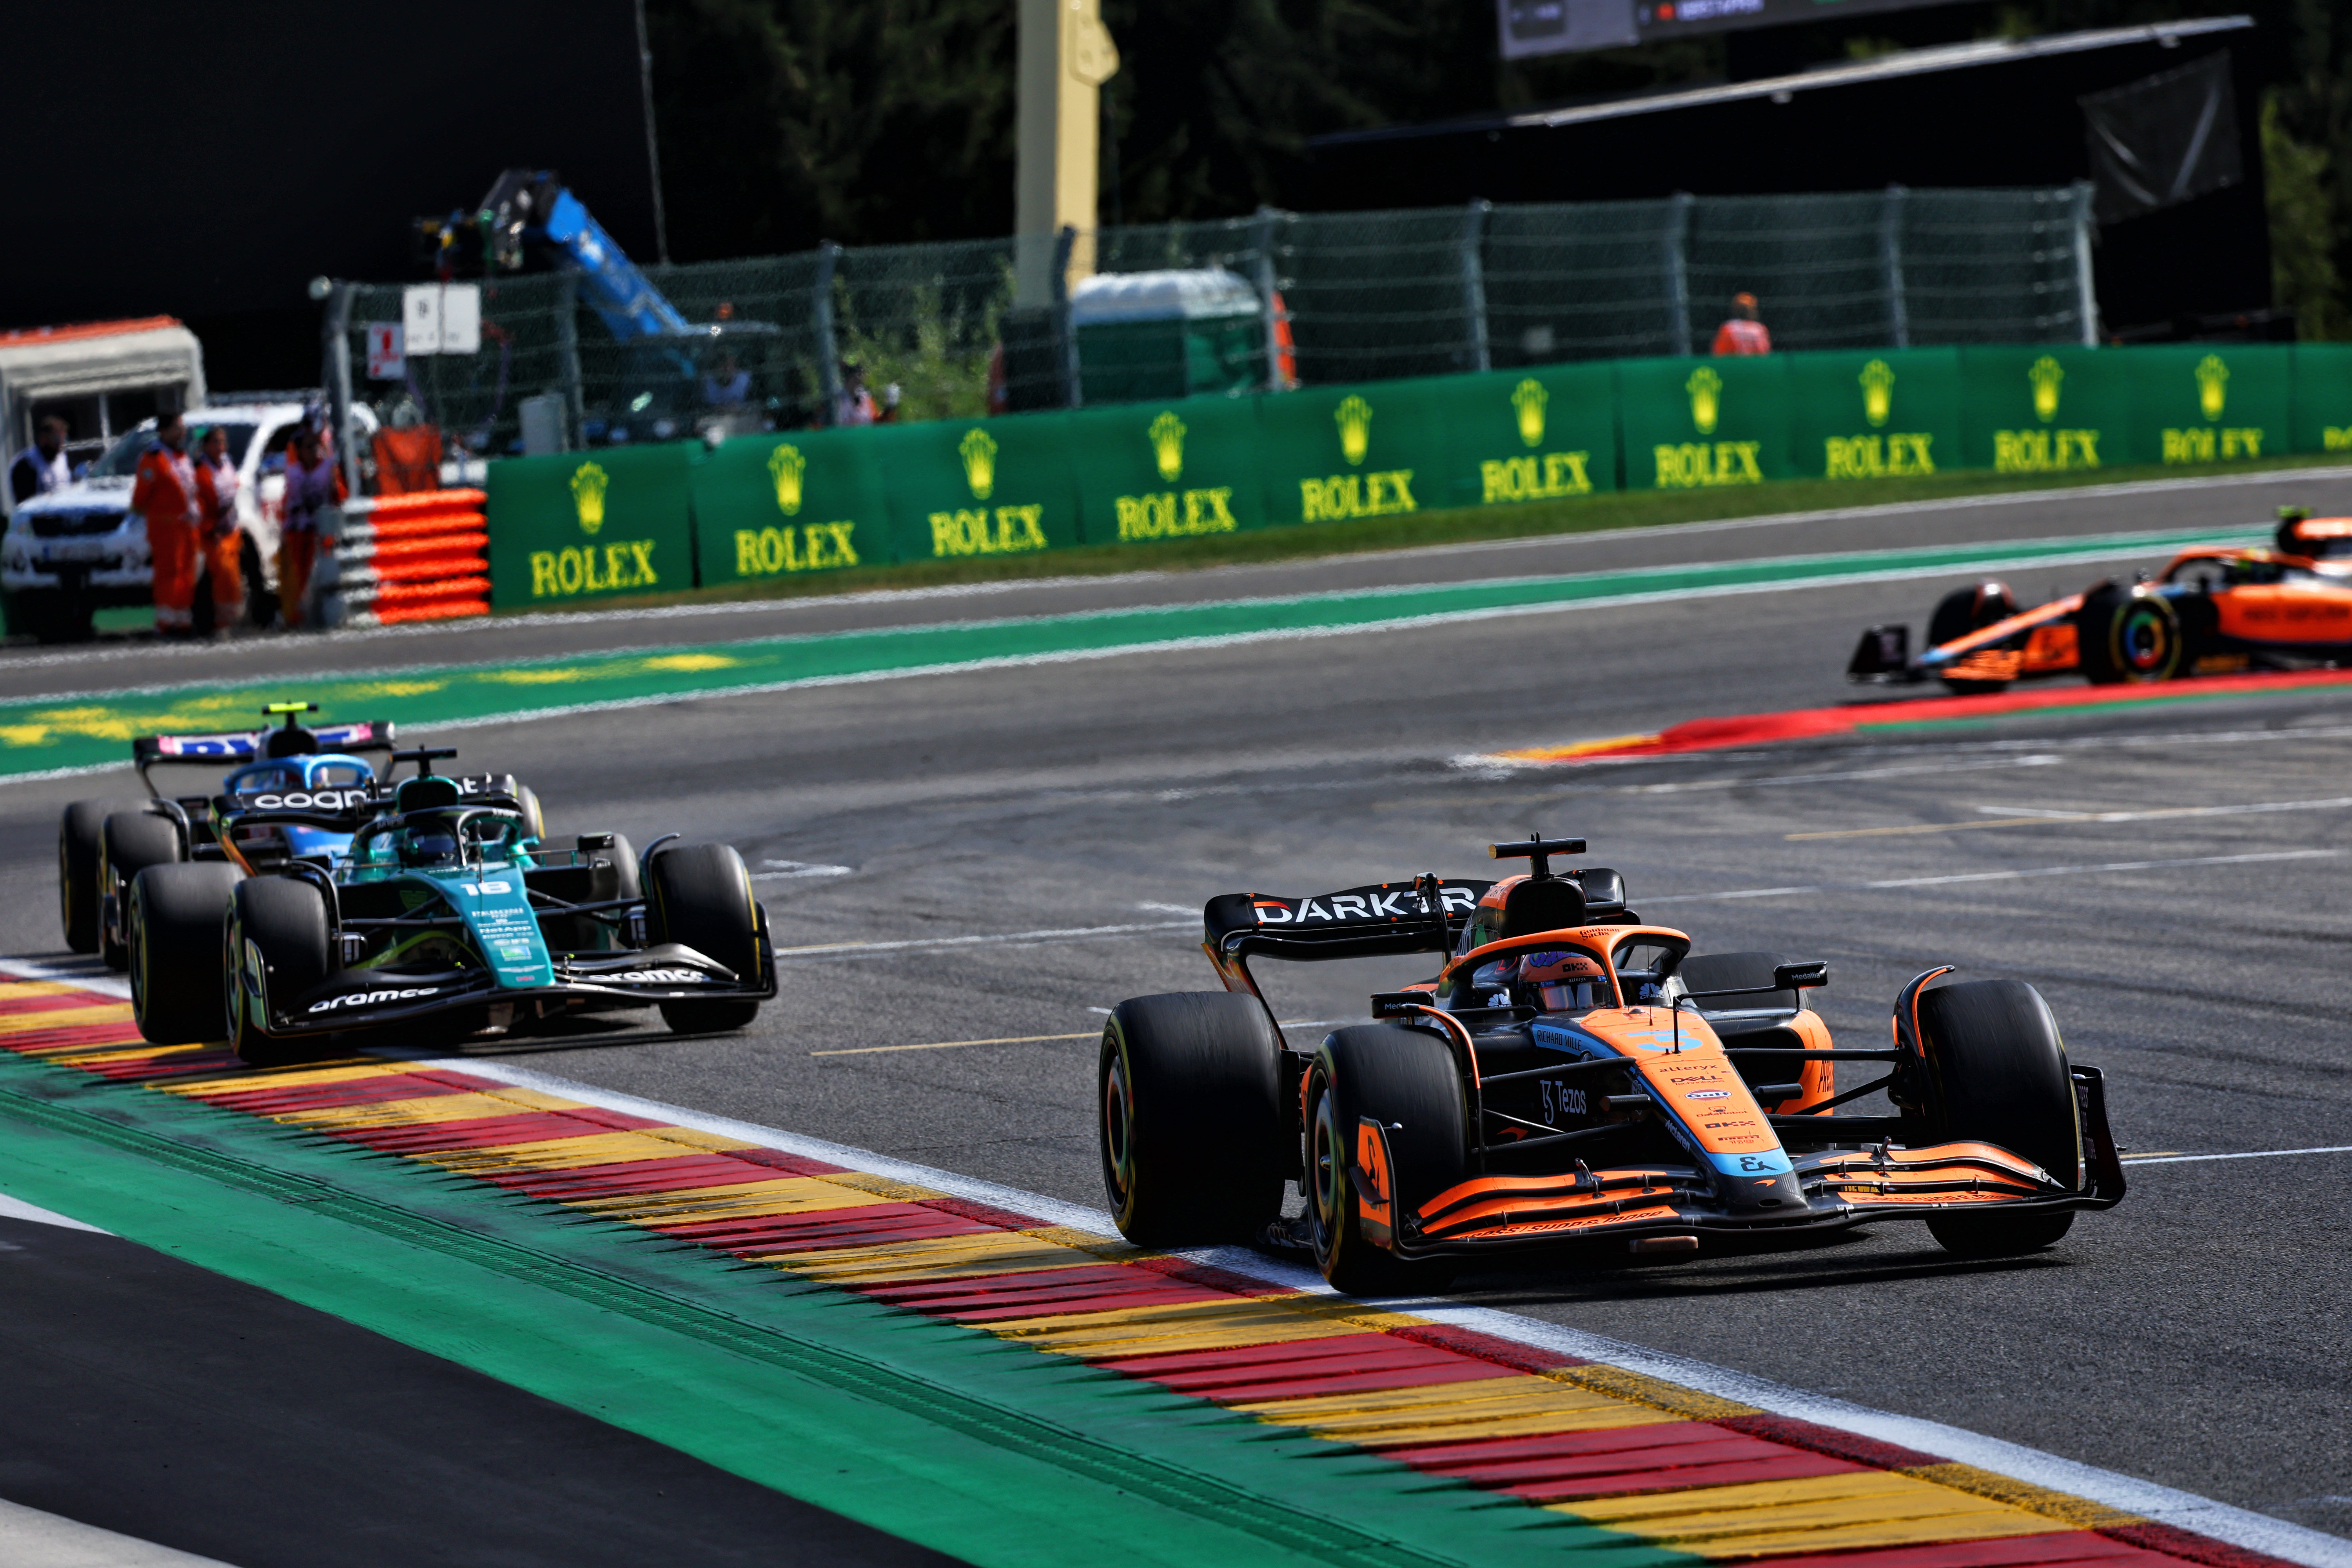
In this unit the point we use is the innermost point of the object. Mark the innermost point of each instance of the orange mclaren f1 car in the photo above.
(2210, 611)
(1572, 1073)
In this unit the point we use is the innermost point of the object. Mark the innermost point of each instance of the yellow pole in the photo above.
(1065, 55)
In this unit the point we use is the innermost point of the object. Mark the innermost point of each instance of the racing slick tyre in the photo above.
(277, 934)
(177, 912)
(534, 820)
(1405, 1080)
(701, 898)
(130, 842)
(79, 853)
(1997, 1074)
(1966, 610)
(1188, 1090)
(2127, 636)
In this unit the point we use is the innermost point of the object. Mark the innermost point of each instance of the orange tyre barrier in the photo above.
(407, 558)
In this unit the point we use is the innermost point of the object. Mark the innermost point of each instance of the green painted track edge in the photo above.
(984, 1449)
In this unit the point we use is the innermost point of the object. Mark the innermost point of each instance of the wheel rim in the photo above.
(1327, 1175)
(2144, 643)
(1117, 1132)
(138, 965)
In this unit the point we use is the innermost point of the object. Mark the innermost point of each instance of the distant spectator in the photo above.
(220, 539)
(407, 459)
(41, 467)
(853, 404)
(726, 386)
(1745, 332)
(313, 483)
(164, 492)
(889, 413)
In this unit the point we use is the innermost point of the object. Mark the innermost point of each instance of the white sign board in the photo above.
(420, 318)
(461, 318)
(387, 358)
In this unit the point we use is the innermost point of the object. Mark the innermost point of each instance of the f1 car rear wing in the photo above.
(245, 746)
(349, 810)
(1418, 916)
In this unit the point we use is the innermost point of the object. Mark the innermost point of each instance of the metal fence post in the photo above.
(1678, 241)
(1073, 395)
(2086, 295)
(337, 335)
(1268, 285)
(567, 356)
(1890, 256)
(828, 343)
(1473, 283)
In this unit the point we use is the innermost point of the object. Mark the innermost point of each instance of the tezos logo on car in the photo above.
(371, 998)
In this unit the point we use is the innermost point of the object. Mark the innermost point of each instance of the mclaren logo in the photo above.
(374, 998)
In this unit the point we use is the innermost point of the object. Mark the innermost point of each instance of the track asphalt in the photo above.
(2192, 1337)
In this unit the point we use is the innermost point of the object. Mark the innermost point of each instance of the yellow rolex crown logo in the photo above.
(2213, 385)
(978, 450)
(1706, 389)
(2045, 374)
(1530, 397)
(785, 466)
(589, 484)
(1354, 416)
(1877, 380)
(1167, 435)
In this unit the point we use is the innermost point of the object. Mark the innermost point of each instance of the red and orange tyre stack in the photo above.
(409, 558)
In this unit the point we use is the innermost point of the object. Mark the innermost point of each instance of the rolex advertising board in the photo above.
(1336, 454)
(2322, 413)
(1874, 414)
(1704, 424)
(959, 489)
(1179, 469)
(1547, 432)
(2054, 410)
(773, 506)
(580, 526)
(2194, 403)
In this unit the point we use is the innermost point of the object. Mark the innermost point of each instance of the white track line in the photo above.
(2251, 1154)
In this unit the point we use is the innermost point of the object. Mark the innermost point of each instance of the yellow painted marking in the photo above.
(2076, 1513)
(896, 1191)
(425, 1111)
(1458, 1412)
(129, 1054)
(1191, 1326)
(567, 1154)
(1683, 1403)
(305, 1078)
(1819, 1513)
(10, 989)
(66, 1019)
(951, 1045)
(692, 1205)
(938, 1258)
(1577, 748)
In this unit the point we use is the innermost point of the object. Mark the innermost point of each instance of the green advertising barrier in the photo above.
(2059, 409)
(2195, 403)
(582, 526)
(1148, 471)
(781, 506)
(2321, 418)
(1863, 415)
(1334, 454)
(1545, 434)
(957, 488)
(1702, 424)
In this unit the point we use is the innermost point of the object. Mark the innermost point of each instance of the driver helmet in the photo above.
(1564, 982)
(433, 844)
(1491, 983)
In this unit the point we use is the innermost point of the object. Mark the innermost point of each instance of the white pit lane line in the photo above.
(2166, 1505)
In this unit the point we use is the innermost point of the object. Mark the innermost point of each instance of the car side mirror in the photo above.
(1800, 976)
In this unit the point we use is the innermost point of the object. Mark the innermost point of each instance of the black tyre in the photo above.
(1405, 1080)
(1997, 1074)
(1966, 610)
(275, 949)
(534, 820)
(701, 898)
(2129, 636)
(1189, 1104)
(177, 912)
(79, 852)
(128, 843)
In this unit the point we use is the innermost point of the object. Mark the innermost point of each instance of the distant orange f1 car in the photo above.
(2210, 611)
(1571, 1074)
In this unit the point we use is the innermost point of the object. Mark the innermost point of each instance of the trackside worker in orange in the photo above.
(313, 483)
(1744, 332)
(223, 544)
(165, 493)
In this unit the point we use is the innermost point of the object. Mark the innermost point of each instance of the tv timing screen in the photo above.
(1565, 27)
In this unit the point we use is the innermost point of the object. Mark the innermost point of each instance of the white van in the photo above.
(81, 547)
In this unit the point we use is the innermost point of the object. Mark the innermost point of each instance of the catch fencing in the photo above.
(1340, 298)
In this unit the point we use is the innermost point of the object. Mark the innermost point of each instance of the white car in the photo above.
(81, 548)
